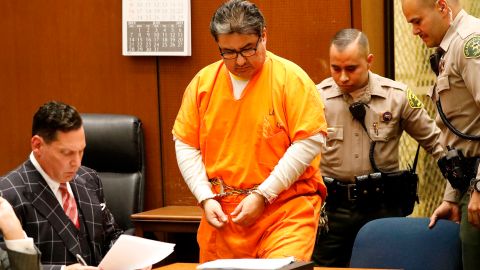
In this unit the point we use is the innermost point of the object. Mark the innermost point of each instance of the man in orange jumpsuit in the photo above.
(248, 137)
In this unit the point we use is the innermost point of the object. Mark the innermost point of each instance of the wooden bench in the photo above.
(168, 219)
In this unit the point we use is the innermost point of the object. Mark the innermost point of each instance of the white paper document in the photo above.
(131, 252)
(247, 264)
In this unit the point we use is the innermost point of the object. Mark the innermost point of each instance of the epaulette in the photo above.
(329, 82)
(391, 83)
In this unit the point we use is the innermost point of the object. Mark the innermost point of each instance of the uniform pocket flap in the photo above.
(381, 134)
(335, 133)
(442, 84)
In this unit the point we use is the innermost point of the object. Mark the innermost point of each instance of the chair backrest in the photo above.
(115, 149)
(407, 243)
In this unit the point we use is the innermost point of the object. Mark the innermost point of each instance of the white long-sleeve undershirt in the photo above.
(293, 163)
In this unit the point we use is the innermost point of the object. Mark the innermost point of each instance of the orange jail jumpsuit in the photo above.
(241, 141)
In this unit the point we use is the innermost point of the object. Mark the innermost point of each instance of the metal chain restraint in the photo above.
(226, 190)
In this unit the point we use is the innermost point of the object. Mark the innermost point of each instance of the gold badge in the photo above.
(441, 66)
(413, 100)
(472, 47)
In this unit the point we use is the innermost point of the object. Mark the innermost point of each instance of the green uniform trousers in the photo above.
(470, 237)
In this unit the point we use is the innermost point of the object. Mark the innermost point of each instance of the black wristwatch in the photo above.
(475, 184)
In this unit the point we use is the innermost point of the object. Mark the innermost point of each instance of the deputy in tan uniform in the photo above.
(456, 34)
(389, 108)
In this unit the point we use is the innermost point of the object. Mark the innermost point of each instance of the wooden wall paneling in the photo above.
(71, 51)
(300, 32)
(356, 14)
(175, 73)
(372, 13)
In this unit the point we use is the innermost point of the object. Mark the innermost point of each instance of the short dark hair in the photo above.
(55, 116)
(347, 36)
(237, 16)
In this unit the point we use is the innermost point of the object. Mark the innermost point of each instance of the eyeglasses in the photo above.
(233, 54)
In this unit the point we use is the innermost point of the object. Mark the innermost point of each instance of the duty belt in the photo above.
(395, 189)
(338, 190)
(226, 190)
(471, 167)
(458, 169)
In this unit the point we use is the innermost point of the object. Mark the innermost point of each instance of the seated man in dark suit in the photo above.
(59, 202)
(20, 252)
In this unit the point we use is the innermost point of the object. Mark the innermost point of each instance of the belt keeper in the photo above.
(352, 192)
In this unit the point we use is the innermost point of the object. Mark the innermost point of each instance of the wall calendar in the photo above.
(156, 27)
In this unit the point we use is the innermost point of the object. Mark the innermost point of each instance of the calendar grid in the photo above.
(156, 27)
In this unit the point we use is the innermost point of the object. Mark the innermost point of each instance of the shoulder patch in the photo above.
(471, 49)
(413, 100)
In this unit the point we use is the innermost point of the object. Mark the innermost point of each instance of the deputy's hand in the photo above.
(146, 268)
(474, 209)
(446, 210)
(214, 213)
(249, 210)
(78, 266)
(9, 223)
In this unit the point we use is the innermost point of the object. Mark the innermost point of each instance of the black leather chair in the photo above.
(115, 149)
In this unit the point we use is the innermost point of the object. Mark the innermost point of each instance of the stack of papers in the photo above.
(131, 252)
(247, 264)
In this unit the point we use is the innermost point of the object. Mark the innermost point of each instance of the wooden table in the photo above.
(191, 266)
(168, 219)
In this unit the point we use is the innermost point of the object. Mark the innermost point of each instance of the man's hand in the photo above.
(474, 209)
(214, 213)
(249, 210)
(78, 266)
(446, 210)
(9, 223)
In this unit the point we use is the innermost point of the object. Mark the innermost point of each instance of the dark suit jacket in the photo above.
(44, 220)
(12, 260)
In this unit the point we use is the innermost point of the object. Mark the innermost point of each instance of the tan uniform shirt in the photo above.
(458, 87)
(392, 108)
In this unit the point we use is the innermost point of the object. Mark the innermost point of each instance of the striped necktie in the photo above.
(69, 205)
